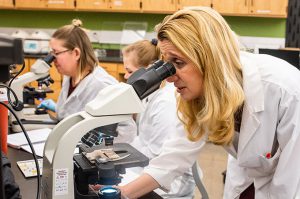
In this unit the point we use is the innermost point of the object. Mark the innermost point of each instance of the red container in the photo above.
(3, 120)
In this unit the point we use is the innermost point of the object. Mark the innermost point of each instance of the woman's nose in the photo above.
(172, 78)
(126, 76)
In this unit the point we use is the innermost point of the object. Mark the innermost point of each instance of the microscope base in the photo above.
(86, 173)
(33, 124)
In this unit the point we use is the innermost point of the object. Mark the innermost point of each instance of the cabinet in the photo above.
(170, 6)
(6, 4)
(125, 5)
(115, 69)
(185, 3)
(92, 5)
(260, 8)
(109, 5)
(265, 8)
(45, 4)
(231, 7)
(164, 6)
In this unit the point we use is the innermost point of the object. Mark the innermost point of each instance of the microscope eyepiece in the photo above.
(146, 81)
(49, 59)
(166, 70)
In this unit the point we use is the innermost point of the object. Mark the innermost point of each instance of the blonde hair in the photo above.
(74, 36)
(146, 51)
(207, 41)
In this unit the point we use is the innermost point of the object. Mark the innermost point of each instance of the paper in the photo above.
(17, 140)
(28, 167)
(38, 148)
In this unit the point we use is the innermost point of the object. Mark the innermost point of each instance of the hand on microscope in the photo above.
(48, 104)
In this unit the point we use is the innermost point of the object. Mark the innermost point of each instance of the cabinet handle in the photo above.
(252, 3)
(246, 3)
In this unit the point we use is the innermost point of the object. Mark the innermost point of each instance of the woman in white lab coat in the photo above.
(156, 122)
(83, 78)
(245, 102)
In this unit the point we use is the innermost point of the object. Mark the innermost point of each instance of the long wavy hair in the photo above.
(204, 37)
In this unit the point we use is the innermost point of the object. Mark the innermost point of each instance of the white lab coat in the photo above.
(271, 111)
(155, 126)
(86, 91)
(270, 124)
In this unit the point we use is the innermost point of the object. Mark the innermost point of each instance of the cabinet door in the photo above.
(60, 4)
(30, 4)
(121, 73)
(162, 6)
(125, 5)
(185, 3)
(111, 68)
(231, 7)
(266, 7)
(19, 67)
(6, 4)
(92, 4)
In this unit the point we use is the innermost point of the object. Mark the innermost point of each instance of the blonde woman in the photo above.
(156, 123)
(247, 103)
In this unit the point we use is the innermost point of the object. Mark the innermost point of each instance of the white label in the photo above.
(61, 182)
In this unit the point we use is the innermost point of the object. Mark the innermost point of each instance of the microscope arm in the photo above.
(38, 70)
(113, 104)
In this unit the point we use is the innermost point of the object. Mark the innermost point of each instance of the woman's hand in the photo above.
(48, 104)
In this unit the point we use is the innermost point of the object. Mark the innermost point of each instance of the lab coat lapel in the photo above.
(249, 126)
(254, 101)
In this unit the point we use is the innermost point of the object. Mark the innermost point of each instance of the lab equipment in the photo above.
(113, 104)
(37, 43)
(38, 71)
(11, 52)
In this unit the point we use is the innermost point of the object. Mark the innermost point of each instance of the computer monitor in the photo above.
(291, 56)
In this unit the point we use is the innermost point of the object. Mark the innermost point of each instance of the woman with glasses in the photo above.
(82, 77)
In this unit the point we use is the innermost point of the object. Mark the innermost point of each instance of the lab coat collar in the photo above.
(252, 83)
(254, 100)
(77, 90)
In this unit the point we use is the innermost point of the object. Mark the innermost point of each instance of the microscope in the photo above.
(65, 175)
(39, 71)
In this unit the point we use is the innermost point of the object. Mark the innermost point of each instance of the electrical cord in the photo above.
(31, 147)
(8, 95)
(17, 104)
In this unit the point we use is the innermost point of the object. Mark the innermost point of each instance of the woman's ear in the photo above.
(77, 53)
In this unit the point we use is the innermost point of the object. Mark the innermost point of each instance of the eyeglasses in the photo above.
(58, 53)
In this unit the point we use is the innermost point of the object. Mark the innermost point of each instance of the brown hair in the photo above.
(146, 51)
(75, 37)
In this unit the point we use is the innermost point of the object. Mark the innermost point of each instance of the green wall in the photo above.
(244, 26)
